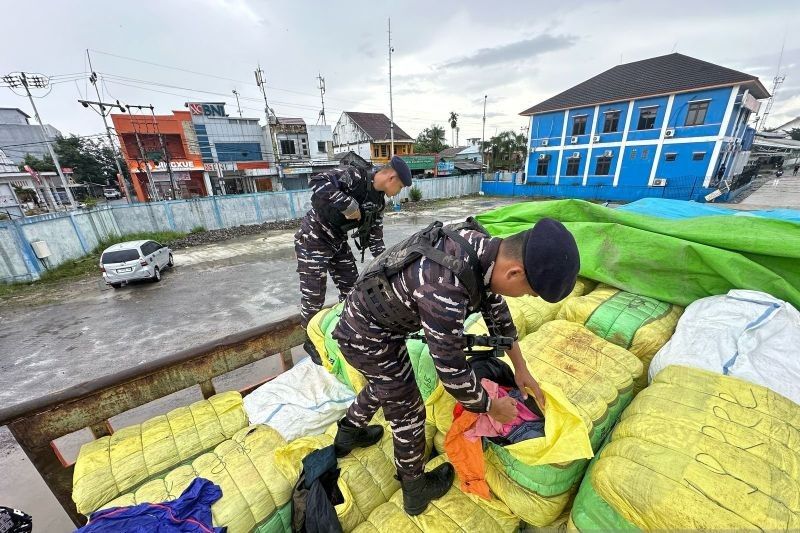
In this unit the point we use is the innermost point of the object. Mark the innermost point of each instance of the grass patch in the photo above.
(197, 229)
(87, 264)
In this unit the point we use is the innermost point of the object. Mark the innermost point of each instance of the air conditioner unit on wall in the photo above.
(544, 142)
(659, 182)
(608, 153)
(576, 155)
(542, 156)
(574, 140)
(595, 138)
(669, 133)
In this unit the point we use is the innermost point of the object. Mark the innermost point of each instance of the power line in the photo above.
(198, 73)
(45, 142)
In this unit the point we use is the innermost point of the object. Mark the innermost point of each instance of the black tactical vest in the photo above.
(363, 193)
(383, 303)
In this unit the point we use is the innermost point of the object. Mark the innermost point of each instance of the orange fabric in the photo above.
(467, 457)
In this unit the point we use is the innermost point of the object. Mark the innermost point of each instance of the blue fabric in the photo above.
(527, 430)
(679, 209)
(190, 513)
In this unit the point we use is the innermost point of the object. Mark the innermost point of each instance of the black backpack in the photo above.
(373, 282)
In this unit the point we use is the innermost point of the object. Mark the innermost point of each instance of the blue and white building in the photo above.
(670, 126)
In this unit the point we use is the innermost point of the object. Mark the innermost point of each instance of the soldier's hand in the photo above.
(504, 409)
(526, 382)
(353, 215)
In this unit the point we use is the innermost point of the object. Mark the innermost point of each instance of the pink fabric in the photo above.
(486, 426)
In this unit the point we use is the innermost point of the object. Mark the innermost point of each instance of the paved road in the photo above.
(777, 192)
(88, 330)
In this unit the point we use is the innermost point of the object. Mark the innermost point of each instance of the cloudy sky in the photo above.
(448, 54)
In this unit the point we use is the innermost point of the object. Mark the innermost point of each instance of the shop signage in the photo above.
(445, 167)
(297, 170)
(219, 167)
(208, 110)
(175, 165)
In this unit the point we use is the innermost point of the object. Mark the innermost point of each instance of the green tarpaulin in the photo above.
(675, 261)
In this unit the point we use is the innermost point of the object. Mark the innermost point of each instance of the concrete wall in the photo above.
(73, 235)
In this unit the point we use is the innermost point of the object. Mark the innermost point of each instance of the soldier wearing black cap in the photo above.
(423, 283)
(340, 199)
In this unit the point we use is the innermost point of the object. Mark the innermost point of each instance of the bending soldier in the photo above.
(338, 201)
(432, 281)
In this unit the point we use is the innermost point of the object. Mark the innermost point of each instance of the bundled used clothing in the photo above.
(316, 493)
(190, 513)
(463, 442)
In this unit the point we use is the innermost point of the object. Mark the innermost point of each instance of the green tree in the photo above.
(90, 160)
(430, 140)
(39, 165)
(506, 151)
(794, 133)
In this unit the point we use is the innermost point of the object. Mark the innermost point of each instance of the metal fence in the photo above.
(74, 234)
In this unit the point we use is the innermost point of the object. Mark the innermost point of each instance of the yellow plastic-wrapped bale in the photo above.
(254, 492)
(110, 466)
(697, 451)
(538, 312)
(639, 324)
(455, 511)
(366, 477)
(320, 332)
(596, 378)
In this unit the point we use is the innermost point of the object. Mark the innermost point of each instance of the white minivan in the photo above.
(134, 260)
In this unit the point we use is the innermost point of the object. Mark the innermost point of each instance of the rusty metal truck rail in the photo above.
(36, 424)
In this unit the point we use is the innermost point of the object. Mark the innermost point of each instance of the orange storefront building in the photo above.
(182, 155)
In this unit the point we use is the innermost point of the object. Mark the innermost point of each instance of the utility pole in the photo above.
(93, 79)
(391, 108)
(262, 84)
(22, 80)
(776, 81)
(172, 184)
(321, 116)
(483, 134)
(153, 190)
(236, 94)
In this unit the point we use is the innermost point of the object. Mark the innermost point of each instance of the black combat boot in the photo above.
(419, 492)
(350, 437)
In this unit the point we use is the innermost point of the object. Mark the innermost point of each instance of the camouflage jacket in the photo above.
(439, 300)
(336, 189)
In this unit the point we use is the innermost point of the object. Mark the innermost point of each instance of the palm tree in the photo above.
(506, 150)
(453, 124)
(437, 138)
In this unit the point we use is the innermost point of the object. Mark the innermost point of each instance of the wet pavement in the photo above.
(87, 329)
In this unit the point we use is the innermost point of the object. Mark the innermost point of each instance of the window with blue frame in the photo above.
(647, 118)
(696, 116)
(698, 156)
(611, 123)
(603, 167)
(542, 165)
(579, 125)
(670, 156)
(573, 164)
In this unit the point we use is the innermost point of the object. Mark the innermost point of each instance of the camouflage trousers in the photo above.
(315, 258)
(391, 385)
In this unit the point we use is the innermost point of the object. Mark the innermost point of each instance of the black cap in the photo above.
(401, 167)
(551, 258)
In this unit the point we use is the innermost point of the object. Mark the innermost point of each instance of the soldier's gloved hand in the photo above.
(504, 409)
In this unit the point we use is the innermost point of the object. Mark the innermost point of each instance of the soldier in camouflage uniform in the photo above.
(338, 200)
(543, 261)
